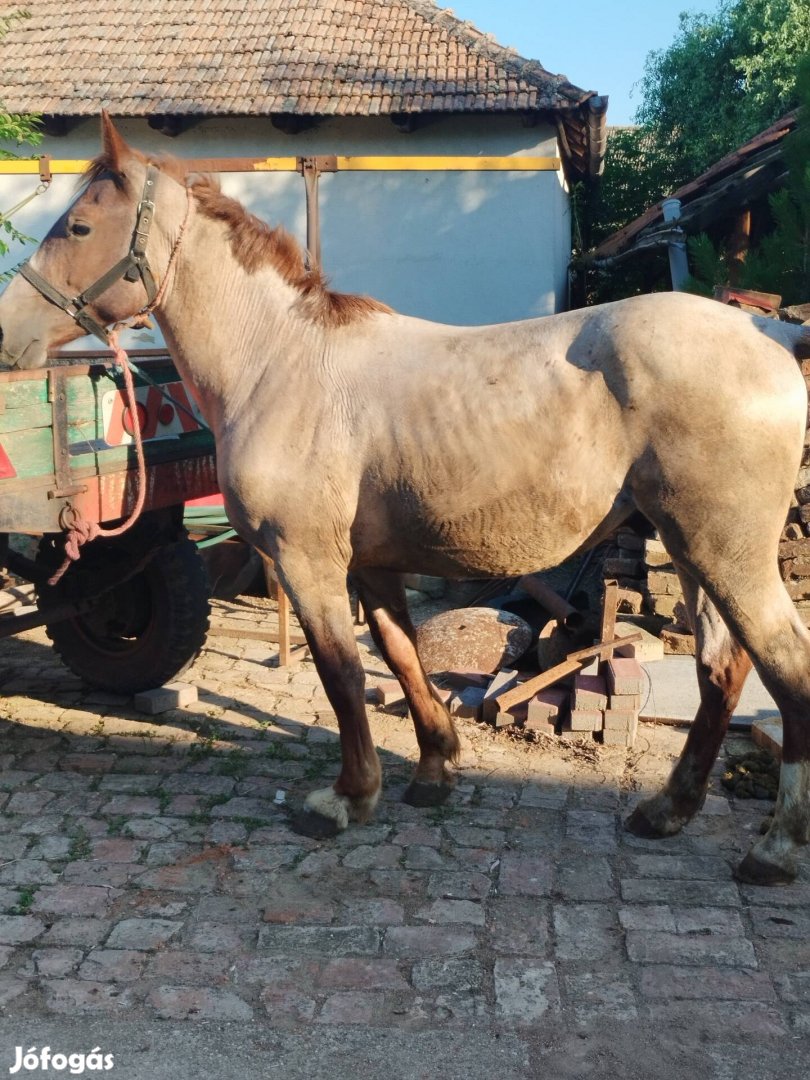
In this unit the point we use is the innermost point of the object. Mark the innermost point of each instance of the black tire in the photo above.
(144, 632)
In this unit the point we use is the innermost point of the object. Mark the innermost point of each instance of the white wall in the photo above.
(465, 248)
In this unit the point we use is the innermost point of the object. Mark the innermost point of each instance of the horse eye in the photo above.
(79, 229)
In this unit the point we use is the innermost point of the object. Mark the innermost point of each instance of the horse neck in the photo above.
(227, 329)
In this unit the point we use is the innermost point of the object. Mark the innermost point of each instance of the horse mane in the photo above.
(255, 244)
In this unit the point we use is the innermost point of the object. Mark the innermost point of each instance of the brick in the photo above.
(453, 911)
(625, 720)
(545, 707)
(663, 582)
(623, 567)
(590, 692)
(625, 738)
(583, 720)
(463, 974)
(647, 649)
(174, 695)
(624, 676)
(665, 605)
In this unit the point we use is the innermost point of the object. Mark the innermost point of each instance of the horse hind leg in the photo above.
(722, 667)
(386, 610)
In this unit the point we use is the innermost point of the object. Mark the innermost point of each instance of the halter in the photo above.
(133, 266)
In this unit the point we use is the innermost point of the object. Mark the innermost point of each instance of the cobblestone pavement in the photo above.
(149, 883)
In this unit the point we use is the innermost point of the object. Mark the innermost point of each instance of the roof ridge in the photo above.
(487, 44)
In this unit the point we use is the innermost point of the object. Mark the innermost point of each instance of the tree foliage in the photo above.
(727, 75)
(16, 131)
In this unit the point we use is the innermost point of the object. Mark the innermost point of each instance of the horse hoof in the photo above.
(421, 793)
(316, 826)
(640, 825)
(754, 870)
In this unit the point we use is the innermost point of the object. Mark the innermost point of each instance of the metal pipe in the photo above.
(678, 262)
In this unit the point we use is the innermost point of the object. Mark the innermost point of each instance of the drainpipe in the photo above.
(678, 262)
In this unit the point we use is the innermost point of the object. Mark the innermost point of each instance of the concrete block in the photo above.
(624, 676)
(768, 734)
(649, 648)
(590, 692)
(503, 681)
(620, 719)
(547, 705)
(386, 692)
(174, 695)
(624, 702)
(467, 703)
(585, 720)
(655, 554)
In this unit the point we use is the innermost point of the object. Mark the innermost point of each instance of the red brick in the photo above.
(624, 676)
(584, 720)
(590, 692)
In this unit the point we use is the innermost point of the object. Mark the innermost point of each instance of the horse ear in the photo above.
(115, 150)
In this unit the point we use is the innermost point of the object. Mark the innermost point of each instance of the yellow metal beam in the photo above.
(350, 163)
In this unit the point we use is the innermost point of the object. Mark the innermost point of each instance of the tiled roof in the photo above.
(266, 57)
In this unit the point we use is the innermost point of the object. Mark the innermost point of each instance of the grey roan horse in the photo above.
(353, 439)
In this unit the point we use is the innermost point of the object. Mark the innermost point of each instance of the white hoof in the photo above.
(329, 804)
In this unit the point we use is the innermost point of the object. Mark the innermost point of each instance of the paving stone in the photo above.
(461, 886)
(220, 937)
(11, 988)
(421, 857)
(704, 893)
(351, 1007)
(374, 857)
(424, 941)
(678, 867)
(188, 968)
(736, 1019)
(674, 983)
(781, 922)
(73, 997)
(73, 900)
(601, 996)
(375, 912)
(453, 911)
(28, 802)
(142, 934)
(651, 947)
(520, 929)
(361, 974)
(658, 917)
(320, 940)
(585, 879)
(525, 990)
(55, 962)
(113, 965)
(288, 1008)
(198, 1003)
(19, 929)
(525, 875)
(81, 932)
(585, 932)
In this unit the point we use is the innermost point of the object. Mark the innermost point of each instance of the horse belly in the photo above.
(528, 530)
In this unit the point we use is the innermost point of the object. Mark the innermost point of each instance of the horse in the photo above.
(354, 440)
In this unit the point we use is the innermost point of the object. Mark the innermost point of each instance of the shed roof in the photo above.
(746, 173)
(195, 58)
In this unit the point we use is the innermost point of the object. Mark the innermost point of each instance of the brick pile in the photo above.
(602, 701)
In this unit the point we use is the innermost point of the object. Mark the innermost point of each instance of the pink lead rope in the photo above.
(80, 531)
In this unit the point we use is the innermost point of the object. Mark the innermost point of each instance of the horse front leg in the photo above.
(384, 603)
(319, 596)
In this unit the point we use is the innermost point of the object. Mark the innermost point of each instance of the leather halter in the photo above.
(133, 266)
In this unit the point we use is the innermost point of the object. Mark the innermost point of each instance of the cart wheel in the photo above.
(144, 632)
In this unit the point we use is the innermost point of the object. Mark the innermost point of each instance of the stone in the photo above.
(174, 695)
(473, 639)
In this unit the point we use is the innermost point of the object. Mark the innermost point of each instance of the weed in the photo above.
(79, 845)
(115, 826)
(25, 900)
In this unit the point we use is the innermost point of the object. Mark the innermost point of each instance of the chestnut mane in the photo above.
(255, 244)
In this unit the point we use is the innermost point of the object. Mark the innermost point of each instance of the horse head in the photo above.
(95, 266)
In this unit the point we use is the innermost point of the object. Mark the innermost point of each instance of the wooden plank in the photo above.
(573, 662)
(249, 634)
(607, 628)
